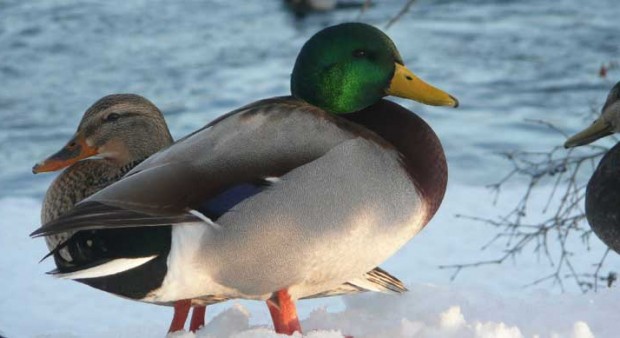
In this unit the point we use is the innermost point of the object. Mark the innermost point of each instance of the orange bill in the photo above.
(75, 150)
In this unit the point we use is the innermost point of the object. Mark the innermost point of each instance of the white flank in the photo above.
(185, 277)
(204, 218)
(107, 269)
(272, 179)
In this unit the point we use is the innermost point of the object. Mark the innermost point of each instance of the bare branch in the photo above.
(400, 13)
(565, 218)
(365, 6)
(548, 125)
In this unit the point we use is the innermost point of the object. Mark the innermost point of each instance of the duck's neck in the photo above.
(124, 168)
(147, 139)
(116, 170)
(422, 154)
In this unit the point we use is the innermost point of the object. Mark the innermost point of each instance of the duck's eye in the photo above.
(360, 53)
(112, 117)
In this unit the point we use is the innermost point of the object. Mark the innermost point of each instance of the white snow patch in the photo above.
(231, 321)
(407, 317)
(452, 318)
(488, 302)
(581, 330)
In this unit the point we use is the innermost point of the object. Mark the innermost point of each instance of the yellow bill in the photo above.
(407, 85)
(597, 130)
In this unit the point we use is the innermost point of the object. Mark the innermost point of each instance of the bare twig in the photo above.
(548, 125)
(400, 13)
(565, 170)
(611, 276)
(365, 6)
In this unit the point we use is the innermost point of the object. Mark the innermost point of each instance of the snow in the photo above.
(486, 302)
(410, 316)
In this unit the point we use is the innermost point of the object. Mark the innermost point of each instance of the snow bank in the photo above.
(486, 302)
(440, 311)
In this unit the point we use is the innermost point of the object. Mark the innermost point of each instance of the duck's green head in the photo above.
(351, 66)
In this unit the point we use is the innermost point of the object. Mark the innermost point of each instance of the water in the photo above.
(506, 61)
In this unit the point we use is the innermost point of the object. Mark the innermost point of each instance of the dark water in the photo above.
(505, 60)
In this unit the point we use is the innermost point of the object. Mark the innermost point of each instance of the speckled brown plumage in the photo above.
(141, 132)
(77, 182)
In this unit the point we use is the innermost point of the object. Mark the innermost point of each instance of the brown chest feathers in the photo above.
(422, 154)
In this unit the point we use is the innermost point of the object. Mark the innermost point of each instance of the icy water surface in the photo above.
(506, 61)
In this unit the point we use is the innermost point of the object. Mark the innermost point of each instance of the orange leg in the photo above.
(181, 310)
(198, 318)
(283, 313)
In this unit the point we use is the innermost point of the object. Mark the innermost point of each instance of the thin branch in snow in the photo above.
(550, 237)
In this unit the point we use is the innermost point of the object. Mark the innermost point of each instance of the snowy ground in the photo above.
(487, 302)
(442, 311)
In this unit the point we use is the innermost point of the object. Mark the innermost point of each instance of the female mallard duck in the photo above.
(603, 191)
(284, 198)
(124, 129)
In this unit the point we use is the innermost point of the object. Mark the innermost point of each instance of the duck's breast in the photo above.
(321, 224)
(419, 147)
(603, 199)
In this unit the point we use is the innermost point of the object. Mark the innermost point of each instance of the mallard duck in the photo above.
(286, 197)
(124, 129)
(603, 190)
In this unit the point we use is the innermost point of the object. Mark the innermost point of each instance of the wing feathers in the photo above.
(377, 280)
(381, 281)
(95, 215)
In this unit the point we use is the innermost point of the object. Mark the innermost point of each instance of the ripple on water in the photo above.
(506, 61)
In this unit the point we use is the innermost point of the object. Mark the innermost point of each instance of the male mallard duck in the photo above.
(124, 129)
(284, 198)
(603, 191)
